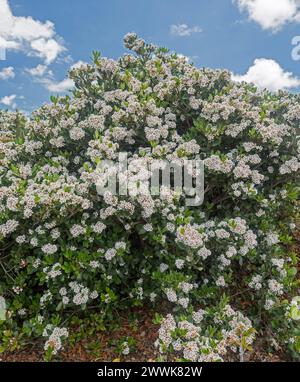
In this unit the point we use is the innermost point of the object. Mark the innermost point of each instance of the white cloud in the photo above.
(31, 36)
(6, 73)
(271, 14)
(183, 30)
(78, 64)
(46, 49)
(8, 100)
(268, 74)
(59, 87)
(38, 71)
(44, 76)
(9, 45)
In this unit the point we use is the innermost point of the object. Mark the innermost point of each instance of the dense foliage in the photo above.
(224, 268)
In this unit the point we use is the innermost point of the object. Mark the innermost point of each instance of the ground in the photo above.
(104, 345)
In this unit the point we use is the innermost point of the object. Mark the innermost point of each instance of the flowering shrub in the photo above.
(65, 248)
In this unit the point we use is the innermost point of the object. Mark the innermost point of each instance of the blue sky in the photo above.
(216, 33)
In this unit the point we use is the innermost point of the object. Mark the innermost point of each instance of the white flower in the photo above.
(269, 304)
(49, 249)
(125, 348)
(21, 239)
(198, 316)
(275, 287)
(148, 227)
(272, 238)
(94, 295)
(221, 282)
(110, 254)
(184, 302)
(77, 230)
(153, 296)
(76, 133)
(163, 267)
(171, 295)
(179, 263)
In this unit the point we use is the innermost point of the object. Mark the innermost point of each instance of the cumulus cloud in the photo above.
(268, 74)
(26, 34)
(59, 87)
(7, 73)
(46, 49)
(45, 77)
(183, 30)
(39, 71)
(9, 101)
(9, 45)
(78, 64)
(271, 14)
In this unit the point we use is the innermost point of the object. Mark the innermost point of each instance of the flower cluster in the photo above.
(55, 336)
(187, 336)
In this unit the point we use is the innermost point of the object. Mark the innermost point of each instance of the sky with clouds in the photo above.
(254, 39)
